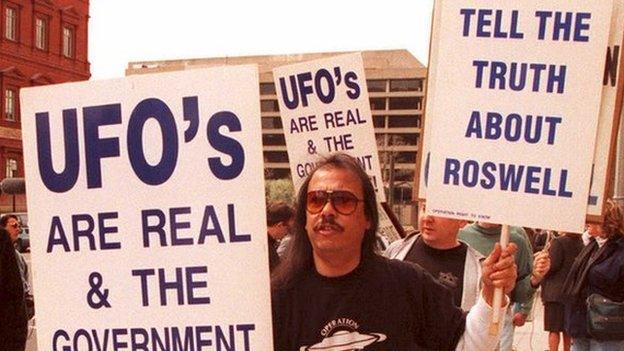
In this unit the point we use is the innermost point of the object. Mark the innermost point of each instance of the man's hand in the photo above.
(499, 271)
(519, 319)
(541, 266)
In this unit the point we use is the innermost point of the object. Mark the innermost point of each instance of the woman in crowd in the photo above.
(563, 251)
(599, 268)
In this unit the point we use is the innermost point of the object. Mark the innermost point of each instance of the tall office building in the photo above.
(395, 81)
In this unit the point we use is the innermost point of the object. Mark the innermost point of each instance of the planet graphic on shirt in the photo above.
(345, 341)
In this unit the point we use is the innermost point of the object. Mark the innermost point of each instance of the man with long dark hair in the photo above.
(334, 292)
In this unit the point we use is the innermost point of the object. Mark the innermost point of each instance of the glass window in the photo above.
(408, 121)
(402, 175)
(379, 121)
(276, 156)
(267, 88)
(68, 41)
(41, 33)
(271, 123)
(405, 103)
(273, 139)
(402, 193)
(10, 25)
(406, 85)
(376, 86)
(277, 173)
(9, 105)
(11, 167)
(378, 103)
(269, 106)
(405, 157)
(404, 139)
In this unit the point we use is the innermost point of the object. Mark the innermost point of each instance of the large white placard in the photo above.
(606, 132)
(514, 108)
(146, 204)
(325, 109)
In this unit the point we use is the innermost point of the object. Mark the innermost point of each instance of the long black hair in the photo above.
(5, 219)
(299, 254)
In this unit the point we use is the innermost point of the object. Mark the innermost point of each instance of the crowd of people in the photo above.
(332, 288)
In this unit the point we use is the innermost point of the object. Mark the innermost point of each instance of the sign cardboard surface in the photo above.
(147, 211)
(513, 110)
(325, 108)
(609, 115)
(607, 121)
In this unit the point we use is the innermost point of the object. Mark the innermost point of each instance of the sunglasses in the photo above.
(344, 202)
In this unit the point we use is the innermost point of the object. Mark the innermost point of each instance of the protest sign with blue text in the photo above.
(607, 122)
(146, 194)
(325, 108)
(609, 115)
(514, 110)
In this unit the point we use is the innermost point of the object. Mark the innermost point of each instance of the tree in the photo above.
(279, 190)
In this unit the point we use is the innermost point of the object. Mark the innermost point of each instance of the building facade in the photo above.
(395, 81)
(42, 42)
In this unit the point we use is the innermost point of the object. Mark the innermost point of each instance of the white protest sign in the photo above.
(607, 131)
(146, 200)
(514, 110)
(606, 124)
(422, 166)
(325, 109)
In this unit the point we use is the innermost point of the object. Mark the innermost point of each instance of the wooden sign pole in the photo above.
(498, 293)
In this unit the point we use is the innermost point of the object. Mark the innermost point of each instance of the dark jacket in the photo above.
(563, 251)
(602, 273)
(274, 258)
(13, 322)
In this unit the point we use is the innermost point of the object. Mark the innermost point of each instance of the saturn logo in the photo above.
(345, 341)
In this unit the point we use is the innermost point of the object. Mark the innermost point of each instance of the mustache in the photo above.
(328, 221)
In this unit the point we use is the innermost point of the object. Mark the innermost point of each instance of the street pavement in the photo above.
(530, 337)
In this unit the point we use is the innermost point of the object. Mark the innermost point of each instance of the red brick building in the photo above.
(41, 42)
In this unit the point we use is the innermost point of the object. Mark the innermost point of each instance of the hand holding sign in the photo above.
(535, 162)
(499, 271)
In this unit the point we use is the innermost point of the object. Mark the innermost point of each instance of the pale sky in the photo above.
(122, 31)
